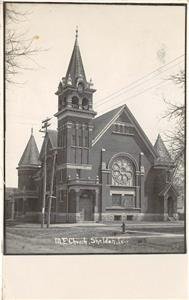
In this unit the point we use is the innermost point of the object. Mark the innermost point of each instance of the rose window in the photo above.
(122, 172)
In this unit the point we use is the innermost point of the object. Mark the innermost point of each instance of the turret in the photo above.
(28, 166)
(164, 164)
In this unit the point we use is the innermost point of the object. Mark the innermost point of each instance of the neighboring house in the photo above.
(98, 168)
(9, 202)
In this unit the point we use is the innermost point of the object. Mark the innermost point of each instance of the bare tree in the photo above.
(19, 49)
(176, 138)
(176, 112)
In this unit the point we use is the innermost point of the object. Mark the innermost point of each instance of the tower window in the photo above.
(61, 101)
(86, 142)
(86, 138)
(80, 87)
(64, 102)
(80, 137)
(74, 140)
(64, 138)
(85, 103)
(75, 102)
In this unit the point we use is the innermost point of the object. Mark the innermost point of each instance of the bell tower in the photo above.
(75, 114)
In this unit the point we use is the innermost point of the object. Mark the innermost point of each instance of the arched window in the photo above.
(80, 87)
(123, 172)
(74, 136)
(80, 136)
(75, 102)
(85, 103)
(86, 137)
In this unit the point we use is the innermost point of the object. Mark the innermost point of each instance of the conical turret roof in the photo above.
(75, 68)
(30, 157)
(161, 150)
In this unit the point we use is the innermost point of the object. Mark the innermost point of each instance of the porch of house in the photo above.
(25, 207)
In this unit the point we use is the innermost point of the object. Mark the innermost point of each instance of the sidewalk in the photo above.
(129, 225)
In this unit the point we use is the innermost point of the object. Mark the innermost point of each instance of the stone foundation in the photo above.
(107, 217)
(68, 217)
(131, 216)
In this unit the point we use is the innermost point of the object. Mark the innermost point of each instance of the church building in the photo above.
(100, 169)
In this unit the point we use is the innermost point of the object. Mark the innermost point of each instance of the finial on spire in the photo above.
(76, 32)
(32, 131)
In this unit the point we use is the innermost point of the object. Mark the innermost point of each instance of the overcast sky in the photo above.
(119, 45)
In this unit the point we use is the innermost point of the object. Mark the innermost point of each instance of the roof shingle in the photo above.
(161, 150)
(101, 121)
(30, 157)
(52, 134)
(75, 68)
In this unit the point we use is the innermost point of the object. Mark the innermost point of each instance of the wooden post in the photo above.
(44, 188)
(44, 130)
(51, 190)
(67, 200)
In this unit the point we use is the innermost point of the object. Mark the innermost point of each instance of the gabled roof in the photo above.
(30, 157)
(169, 186)
(51, 136)
(161, 150)
(104, 122)
(100, 123)
(75, 68)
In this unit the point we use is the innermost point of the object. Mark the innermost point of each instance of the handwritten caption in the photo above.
(65, 241)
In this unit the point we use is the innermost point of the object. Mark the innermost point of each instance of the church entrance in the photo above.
(170, 206)
(86, 207)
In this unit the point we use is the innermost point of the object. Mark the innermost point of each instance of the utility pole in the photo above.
(45, 125)
(51, 190)
(67, 193)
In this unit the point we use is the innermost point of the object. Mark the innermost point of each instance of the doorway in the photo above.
(86, 206)
(170, 206)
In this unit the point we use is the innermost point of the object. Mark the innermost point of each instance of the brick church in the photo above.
(100, 169)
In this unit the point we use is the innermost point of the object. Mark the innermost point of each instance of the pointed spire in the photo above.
(161, 150)
(30, 157)
(76, 32)
(75, 68)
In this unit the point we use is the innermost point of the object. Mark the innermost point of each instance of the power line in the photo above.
(148, 74)
(140, 93)
(102, 103)
(138, 80)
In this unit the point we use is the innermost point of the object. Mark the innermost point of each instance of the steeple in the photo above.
(30, 157)
(161, 150)
(75, 68)
(75, 114)
(74, 91)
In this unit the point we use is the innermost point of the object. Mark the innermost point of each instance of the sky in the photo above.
(119, 46)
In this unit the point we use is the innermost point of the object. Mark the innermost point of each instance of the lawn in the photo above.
(31, 239)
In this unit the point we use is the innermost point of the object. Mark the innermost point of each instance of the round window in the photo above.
(122, 172)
